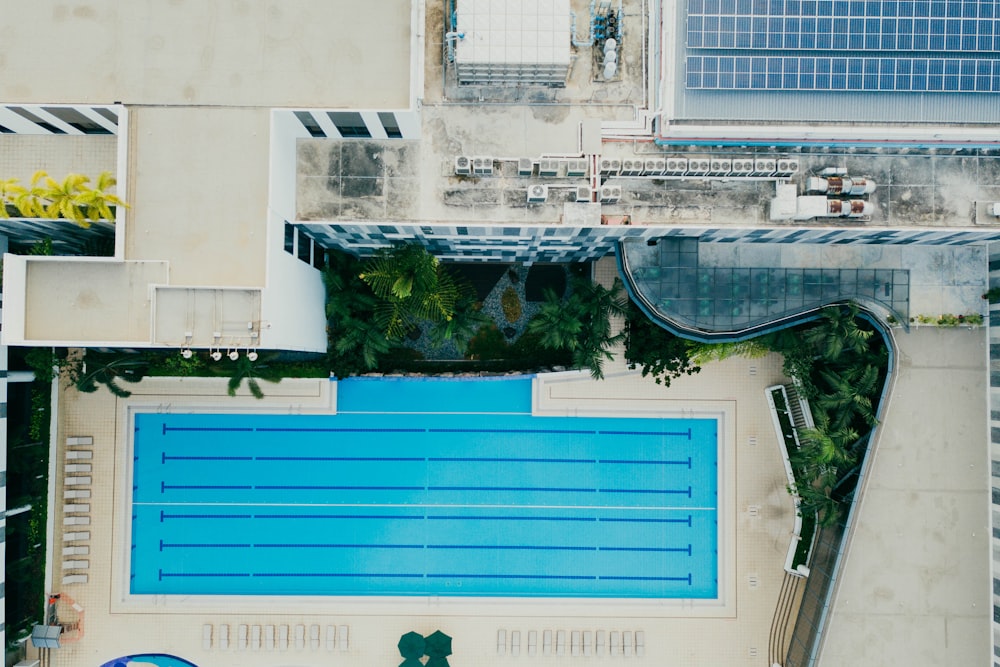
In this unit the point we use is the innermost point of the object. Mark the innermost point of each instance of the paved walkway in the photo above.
(914, 588)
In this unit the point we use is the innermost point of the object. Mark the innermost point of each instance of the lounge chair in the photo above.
(561, 642)
(300, 637)
(268, 637)
(75, 550)
(588, 642)
(77, 481)
(640, 643)
(76, 536)
(343, 638)
(282, 637)
(255, 638)
(241, 637)
(75, 440)
(501, 642)
(79, 454)
(206, 637)
(76, 520)
(628, 642)
(574, 643)
(314, 637)
(616, 643)
(547, 642)
(331, 637)
(224, 637)
(76, 494)
(532, 642)
(601, 647)
(75, 579)
(75, 564)
(515, 643)
(77, 507)
(72, 468)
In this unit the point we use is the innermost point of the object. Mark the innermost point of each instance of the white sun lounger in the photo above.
(616, 643)
(628, 643)
(331, 637)
(241, 637)
(76, 494)
(314, 637)
(640, 643)
(79, 454)
(515, 643)
(75, 536)
(224, 637)
(268, 637)
(78, 507)
(501, 642)
(574, 643)
(76, 551)
(75, 579)
(532, 642)
(300, 637)
(561, 642)
(588, 642)
(343, 638)
(255, 637)
(74, 440)
(77, 481)
(206, 637)
(77, 467)
(547, 642)
(76, 520)
(601, 646)
(282, 637)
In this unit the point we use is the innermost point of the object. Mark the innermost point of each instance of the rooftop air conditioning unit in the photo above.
(583, 194)
(764, 167)
(742, 167)
(677, 165)
(631, 167)
(698, 166)
(721, 167)
(548, 168)
(576, 168)
(654, 167)
(787, 167)
(525, 166)
(537, 193)
(463, 166)
(482, 166)
(610, 167)
(611, 194)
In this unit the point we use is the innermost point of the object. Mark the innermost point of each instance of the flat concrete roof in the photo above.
(307, 53)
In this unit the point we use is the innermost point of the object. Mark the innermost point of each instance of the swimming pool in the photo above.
(420, 487)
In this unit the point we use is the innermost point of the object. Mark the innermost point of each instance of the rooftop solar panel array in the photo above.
(907, 44)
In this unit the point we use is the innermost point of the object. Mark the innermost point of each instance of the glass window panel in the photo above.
(918, 82)
(950, 83)
(823, 65)
(695, 40)
(870, 65)
(967, 83)
(727, 24)
(709, 80)
(727, 40)
(728, 7)
(970, 9)
(935, 42)
(744, 6)
(935, 82)
(711, 6)
(695, 6)
(856, 42)
(822, 82)
(921, 8)
(903, 65)
(824, 41)
(904, 8)
(873, 8)
(741, 80)
(824, 8)
(982, 84)
(808, 8)
(871, 42)
(886, 82)
(856, 8)
(952, 42)
(920, 66)
(904, 42)
(954, 8)
(838, 81)
(938, 8)
(902, 82)
(854, 81)
(773, 81)
(935, 66)
(806, 81)
(952, 27)
(888, 42)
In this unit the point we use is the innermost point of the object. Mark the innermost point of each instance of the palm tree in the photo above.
(251, 371)
(10, 190)
(96, 201)
(462, 325)
(62, 200)
(558, 323)
(701, 353)
(838, 331)
(109, 373)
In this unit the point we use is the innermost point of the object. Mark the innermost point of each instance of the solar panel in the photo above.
(857, 25)
(827, 73)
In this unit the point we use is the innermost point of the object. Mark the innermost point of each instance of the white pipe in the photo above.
(448, 38)
(572, 32)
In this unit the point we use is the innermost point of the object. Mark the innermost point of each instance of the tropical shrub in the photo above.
(658, 352)
(511, 304)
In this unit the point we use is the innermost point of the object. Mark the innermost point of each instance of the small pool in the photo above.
(422, 487)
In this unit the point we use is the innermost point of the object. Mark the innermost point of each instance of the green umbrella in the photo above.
(438, 645)
(411, 645)
(411, 662)
(438, 662)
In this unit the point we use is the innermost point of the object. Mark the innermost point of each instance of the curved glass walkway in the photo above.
(732, 291)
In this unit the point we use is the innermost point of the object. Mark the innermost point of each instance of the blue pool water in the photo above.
(425, 487)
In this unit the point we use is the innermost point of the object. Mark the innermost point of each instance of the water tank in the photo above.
(610, 69)
(610, 44)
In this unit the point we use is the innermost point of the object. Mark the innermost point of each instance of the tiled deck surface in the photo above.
(685, 634)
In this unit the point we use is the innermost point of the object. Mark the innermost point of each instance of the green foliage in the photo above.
(244, 370)
(702, 353)
(488, 343)
(581, 324)
(658, 352)
(356, 341)
(43, 247)
(992, 295)
(172, 364)
(462, 326)
(72, 198)
(41, 408)
(511, 304)
(41, 360)
(108, 370)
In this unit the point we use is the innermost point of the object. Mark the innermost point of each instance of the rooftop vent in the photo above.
(537, 193)
(463, 166)
(548, 168)
(482, 166)
(610, 167)
(611, 194)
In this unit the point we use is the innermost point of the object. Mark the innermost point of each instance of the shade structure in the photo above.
(438, 645)
(412, 662)
(411, 645)
(438, 661)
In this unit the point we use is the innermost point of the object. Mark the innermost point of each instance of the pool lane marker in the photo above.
(641, 508)
(451, 547)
